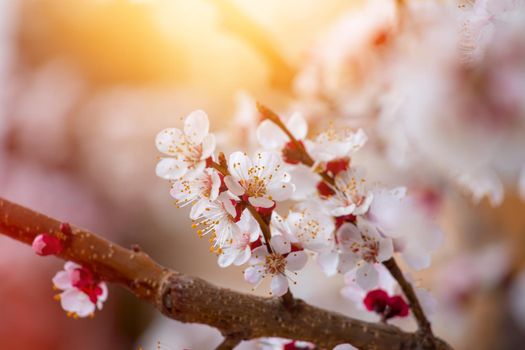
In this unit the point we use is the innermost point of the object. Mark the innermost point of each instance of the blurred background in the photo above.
(86, 85)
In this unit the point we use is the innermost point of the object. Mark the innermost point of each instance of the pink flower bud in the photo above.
(46, 244)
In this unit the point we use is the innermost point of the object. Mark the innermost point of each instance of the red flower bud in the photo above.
(376, 300)
(46, 244)
(397, 307)
(379, 302)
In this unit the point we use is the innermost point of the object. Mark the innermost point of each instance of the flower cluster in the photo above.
(346, 223)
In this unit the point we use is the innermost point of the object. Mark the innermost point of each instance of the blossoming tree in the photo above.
(300, 196)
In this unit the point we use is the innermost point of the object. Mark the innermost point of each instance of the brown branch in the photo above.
(193, 300)
(408, 290)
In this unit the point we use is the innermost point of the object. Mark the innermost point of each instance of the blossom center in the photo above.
(255, 186)
(368, 249)
(191, 153)
(85, 281)
(275, 264)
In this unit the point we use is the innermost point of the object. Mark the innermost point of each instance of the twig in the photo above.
(304, 157)
(223, 169)
(408, 290)
(423, 323)
(193, 300)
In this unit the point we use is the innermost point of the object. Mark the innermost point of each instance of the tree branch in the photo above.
(408, 290)
(191, 299)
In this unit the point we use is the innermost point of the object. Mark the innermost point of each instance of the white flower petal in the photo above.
(238, 165)
(270, 136)
(215, 184)
(342, 211)
(243, 256)
(358, 140)
(226, 258)
(270, 164)
(297, 126)
(248, 225)
(295, 261)
(253, 274)
(258, 255)
(73, 300)
(104, 295)
(226, 202)
(280, 245)
(347, 234)
(70, 266)
(233, 185)
(281, 191)
(62, 280)
(261, 202)
(208, 146)
(196, 126)
(198, 208)
(329, 262)
(167, 140)
(367, 276)
(347, 262)
(170, 169)
(386, 249)
(279, 285)
(305, 181)
(363, 207)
